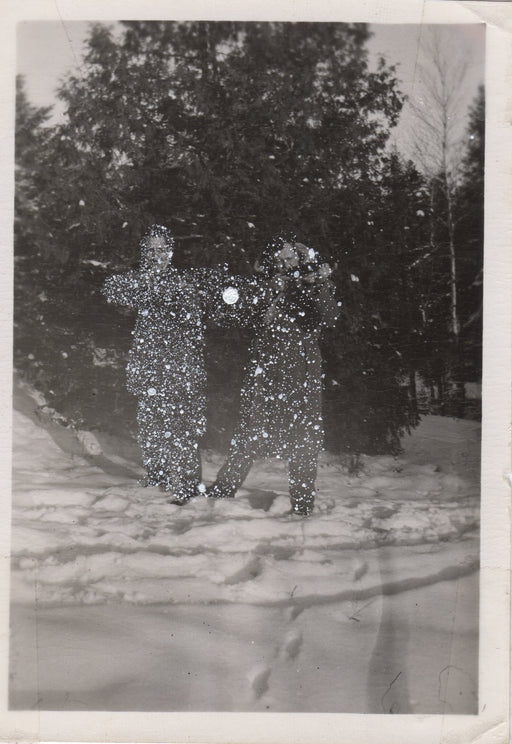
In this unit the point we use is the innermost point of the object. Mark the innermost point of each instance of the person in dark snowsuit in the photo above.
(166, 366)
(280, 407)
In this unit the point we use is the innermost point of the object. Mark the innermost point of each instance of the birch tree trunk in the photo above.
(438, 143)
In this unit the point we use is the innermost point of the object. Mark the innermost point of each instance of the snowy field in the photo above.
(123, 602)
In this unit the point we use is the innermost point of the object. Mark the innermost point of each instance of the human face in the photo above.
(159, 252)
(286, 259)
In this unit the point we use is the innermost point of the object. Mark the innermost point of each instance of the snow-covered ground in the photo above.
(121, 601)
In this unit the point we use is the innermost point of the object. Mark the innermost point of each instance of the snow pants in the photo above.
(302, 470)
(170, 452)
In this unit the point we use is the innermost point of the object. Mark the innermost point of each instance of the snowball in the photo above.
(151, 391)
(230, 295)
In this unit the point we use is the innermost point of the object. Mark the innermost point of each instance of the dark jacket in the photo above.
(166, 358)
(281, 398)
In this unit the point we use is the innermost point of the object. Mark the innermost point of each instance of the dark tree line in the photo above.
(228, 133)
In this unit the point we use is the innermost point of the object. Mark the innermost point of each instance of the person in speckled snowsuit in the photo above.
(281, 398)
(166, 366)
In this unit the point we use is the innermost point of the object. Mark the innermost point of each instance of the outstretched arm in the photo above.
(122, 289)
(327, 304)
(323, 294)
(313, 297)
(136, 289)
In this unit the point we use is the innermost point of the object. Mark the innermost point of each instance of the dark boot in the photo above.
(216, 491)
(302, 507)
(179, 500)
(232, 474)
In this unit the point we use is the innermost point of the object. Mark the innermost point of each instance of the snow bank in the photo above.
(121, 601)
(82, 537)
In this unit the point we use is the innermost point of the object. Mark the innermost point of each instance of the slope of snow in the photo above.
(122, 601)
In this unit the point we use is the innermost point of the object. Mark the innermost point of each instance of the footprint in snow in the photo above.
(259, 499)
(250, 571)
(293, 643)
(360, 569)
(258, 677)
(294, 612)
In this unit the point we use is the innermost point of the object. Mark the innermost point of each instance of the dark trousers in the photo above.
(170, 456)
(302, 469)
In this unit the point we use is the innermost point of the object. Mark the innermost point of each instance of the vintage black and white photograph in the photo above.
(248, 301)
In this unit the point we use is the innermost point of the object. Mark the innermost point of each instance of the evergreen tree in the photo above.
(470, 238)
(31, 142)
(383, 337)
(228, 133)
(31, 139)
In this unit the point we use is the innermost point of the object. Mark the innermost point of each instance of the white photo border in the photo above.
(491, 723)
